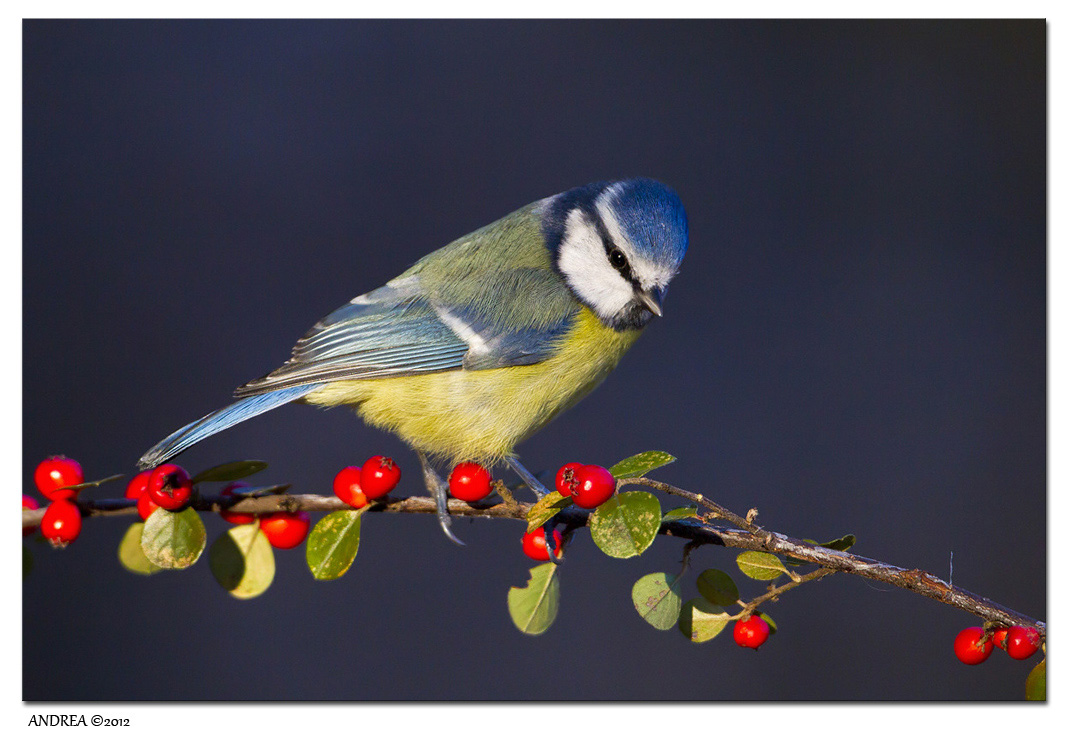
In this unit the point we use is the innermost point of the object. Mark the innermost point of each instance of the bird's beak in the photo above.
(652, 301)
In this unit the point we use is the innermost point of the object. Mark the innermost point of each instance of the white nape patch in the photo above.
(649, 274)
(476, 342)
(582, 259)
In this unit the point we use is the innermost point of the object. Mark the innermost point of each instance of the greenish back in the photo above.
(501, 274)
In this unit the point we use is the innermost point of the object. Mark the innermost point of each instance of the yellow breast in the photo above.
(481, 415)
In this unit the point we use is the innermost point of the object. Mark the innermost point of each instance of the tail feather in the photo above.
(219, 420)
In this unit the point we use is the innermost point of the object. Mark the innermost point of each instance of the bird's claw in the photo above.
(437, 488)
(548, 537)
(444, 523)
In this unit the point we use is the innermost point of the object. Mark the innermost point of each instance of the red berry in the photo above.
(470, 482)
(565, 481)
(62, 523)
(751, 633)
(285, 529)
(170, 487)
(969, 647)
(146, 506)
(534, 544)
(28, 502)
(379, 475)
(1000, 637)
(347, 487)
(138, 484)
(1023, 642)
(56, 472)
(235, 517)
(594, 485)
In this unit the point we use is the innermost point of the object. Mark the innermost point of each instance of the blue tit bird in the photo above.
(483, 342)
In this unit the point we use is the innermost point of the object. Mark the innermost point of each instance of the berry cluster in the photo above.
(974, 644)
(355, 486)
(589, 486)
(170, 488)
(374, 480)
(167, 487)
(59, 479)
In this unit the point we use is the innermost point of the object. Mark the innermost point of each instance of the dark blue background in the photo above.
(856, 342)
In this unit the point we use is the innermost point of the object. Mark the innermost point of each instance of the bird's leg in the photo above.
(437, 488)
(540, 490)
(526, 476)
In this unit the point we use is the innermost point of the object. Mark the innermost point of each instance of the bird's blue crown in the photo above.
(650, 213)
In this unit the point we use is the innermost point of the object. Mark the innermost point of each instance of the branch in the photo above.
(699, 531)
(753, 537)
(294, 503)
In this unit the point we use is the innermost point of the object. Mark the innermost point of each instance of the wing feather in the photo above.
(367, 340)
(458, 308)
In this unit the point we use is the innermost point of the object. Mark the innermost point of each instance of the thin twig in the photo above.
(799, 580)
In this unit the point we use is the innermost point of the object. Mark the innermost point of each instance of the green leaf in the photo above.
(773, 626)
(173, 539)
(333, 543)
(27, 561)
(230, 471)
(841, 543)
(700, 620)
(242, 561)
(681, 512)
(131, 556)
(641, 464)
(657, 599)
(1035, 682)
(626, 524)
(544, 509)
(254, 491)
(760, 565)
(717, 587)
(534, 607)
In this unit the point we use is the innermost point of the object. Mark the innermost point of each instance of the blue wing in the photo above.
(399, 330)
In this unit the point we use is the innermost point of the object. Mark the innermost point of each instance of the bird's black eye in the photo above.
(618, 259)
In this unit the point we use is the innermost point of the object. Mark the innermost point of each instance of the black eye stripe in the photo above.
(618, 260)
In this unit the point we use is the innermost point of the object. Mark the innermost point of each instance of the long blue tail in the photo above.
(219, 420)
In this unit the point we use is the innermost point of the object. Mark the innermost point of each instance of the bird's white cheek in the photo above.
(582, 259)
